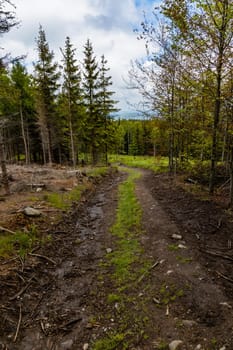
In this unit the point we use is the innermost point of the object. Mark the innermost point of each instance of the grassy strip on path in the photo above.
(156, 164)
(125, 267)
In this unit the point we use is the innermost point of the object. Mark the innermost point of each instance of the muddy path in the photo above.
(59, 297)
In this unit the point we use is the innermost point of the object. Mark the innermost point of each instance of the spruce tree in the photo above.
(90, 94)
(72, 108)
(46, 78)
(106, 106)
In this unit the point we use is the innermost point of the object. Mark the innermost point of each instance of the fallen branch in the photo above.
(18, 325)
(226, 257)
(7, 230)
(22, 290)
(43, 257)
(225, 277)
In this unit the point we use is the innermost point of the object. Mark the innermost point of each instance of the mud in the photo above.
(57, 300)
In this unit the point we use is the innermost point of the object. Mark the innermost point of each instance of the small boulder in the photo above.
(175, 236)
(189, 323)
(66, 345)
(29, 211)
(175, 345)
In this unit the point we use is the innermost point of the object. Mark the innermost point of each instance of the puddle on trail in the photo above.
(73, 281)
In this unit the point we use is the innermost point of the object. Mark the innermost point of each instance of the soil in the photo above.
(57, 298)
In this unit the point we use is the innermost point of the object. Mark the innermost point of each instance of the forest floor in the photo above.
(179, 294)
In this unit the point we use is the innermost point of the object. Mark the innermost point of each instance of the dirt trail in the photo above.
(180, 298)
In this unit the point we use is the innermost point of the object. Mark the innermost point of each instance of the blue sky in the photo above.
(109, 24)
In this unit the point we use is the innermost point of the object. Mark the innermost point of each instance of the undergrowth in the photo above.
(64, 200)
(21, 242)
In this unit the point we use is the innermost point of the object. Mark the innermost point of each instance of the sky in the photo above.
(109, 24)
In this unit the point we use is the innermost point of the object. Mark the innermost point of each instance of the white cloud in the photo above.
(108, 23)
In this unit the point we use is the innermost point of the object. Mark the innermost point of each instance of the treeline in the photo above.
(62, 112)
(187, 78)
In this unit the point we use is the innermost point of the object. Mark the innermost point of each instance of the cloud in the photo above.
(108, 24)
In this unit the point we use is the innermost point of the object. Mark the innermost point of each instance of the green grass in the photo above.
(111, 342)
(64, 200)
(125, 265)
(157, 164)
(19, 243)
(126, 229)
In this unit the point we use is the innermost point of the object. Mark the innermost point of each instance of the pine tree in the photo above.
(90, 94)
(46, 78)
(106, 106)
(72, 98)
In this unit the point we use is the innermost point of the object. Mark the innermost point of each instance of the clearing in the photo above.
(162, 280)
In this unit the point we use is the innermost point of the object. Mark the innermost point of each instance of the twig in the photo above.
(43, 257)
(223, 185)
(155, 264)
(225, 277)
(150, 268)
(70, 323)
(19, 323)
(21, 277)
(8, 261)
(7, 230)
(22, 290)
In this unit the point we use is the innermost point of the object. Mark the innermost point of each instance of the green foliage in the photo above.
(170, 293)
(183, 260)
(64, 200)
(110, 343)
(173, 247)
(19, 243)
(113, 298)
(157, 164)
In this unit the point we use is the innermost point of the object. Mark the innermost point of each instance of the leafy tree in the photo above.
(25, 105)
(206, 28)
(46, 79)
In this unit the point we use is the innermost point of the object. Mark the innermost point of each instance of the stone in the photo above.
(29, 211)
(198, 347)
(109, 250)
(223, 348)
(175, 236)
(86, 346)
(189, 323)
(66, 345)
(182, 246)
(175, 344)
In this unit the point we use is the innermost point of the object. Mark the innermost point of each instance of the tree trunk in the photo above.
(5, 180)
(24, 136)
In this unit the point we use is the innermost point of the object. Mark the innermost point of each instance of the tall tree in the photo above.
(93, 120)
(7, 21)
(106, 105)
(7, 16)
(206, 28)
(25, 104)
(72, 98)
(46, 78)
